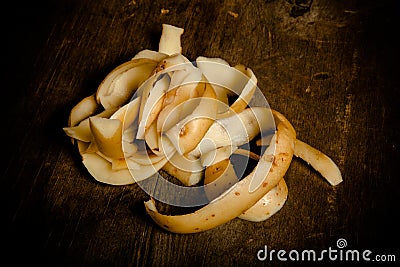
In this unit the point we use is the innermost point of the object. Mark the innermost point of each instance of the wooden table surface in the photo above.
(331, 67)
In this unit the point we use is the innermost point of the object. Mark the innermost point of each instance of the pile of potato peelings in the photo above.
(154, 112)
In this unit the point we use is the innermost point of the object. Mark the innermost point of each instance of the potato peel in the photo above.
(188, 133)
(107, 134)
(238, 199)
(85, 108)
(157, 110)
(120, 84)
(319, 161)
(187, 178)
(102, 170)
(170, 40)
(268, 205)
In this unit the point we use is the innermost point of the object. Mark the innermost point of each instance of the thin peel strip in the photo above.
(319, 161)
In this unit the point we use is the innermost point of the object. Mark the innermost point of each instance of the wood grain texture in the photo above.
(333, 71)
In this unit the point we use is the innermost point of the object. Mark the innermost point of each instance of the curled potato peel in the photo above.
(85, 108)
(118, 87)
(161, 111)
(238, 199)
(187, 133)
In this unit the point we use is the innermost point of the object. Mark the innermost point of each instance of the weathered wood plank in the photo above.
(333, 71)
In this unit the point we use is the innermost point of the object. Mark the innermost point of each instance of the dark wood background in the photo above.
(332, 69)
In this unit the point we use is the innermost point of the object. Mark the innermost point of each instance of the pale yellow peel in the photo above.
(214, 156)
(170, 41)
(187, 134)
(102, 170)
(128, 113)
(173, 62)
(150, 54)
(171, 112)
(82, 146)
(268, 205)
(219, 177)
(145, 171)
(187, 178)
(152, 139)
(238, 199)
(237, 129)
(85, 108)
(151, 101)
(319, 161)
(82, 131)
(152, 105)
(120, 84)
(231, 82)
(247, 93)
(107, 133)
